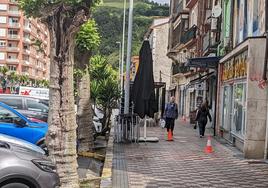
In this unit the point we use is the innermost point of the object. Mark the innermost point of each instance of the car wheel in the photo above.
(44, 147)
(16, 185)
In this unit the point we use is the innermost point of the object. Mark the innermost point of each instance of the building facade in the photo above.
(242, 105)
(24, 42)
(193, 34)
(218, 49)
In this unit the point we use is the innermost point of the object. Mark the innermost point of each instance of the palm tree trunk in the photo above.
(61, 137)
(84, 116)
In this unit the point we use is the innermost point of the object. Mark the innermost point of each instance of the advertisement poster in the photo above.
(34, 92)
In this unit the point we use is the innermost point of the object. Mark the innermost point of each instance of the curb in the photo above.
(106, 177)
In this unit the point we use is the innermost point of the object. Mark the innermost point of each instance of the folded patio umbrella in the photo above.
(143, 95)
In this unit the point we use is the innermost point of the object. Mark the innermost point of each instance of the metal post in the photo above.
(129, 48)
(119, 66)
(123, 47)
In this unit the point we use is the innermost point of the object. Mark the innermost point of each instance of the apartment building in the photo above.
(24, 42)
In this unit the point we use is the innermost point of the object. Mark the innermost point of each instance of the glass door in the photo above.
(239, 108)
(227, 105)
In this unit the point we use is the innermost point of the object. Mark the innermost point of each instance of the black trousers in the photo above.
(170, 124)
(202, 127)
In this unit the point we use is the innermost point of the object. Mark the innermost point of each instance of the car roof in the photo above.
(23, 96)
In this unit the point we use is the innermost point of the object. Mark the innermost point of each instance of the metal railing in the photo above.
(127, 128)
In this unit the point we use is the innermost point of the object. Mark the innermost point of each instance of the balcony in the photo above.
(209, 44)
(14, 12)
(13, 49)
(13, 1)
(26, 51)
(14, 25)
(190, 3)
(13, 37)
(27, 28)
(26, 62)
(12, 61)
(189, 35)
(27, 40)
(179, 68)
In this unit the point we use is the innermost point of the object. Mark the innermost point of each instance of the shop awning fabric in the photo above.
(204, 62)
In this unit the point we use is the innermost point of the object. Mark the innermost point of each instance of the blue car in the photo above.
(14, 124)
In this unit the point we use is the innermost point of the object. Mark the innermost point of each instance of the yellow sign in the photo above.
(235, 68)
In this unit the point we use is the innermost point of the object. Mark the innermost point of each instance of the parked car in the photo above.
(15, 124)
(22, 143)
(33, 108)
(23, 167)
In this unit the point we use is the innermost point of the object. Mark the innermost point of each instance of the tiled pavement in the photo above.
(183, 163)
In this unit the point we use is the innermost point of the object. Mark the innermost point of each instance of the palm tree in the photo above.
(13, 79)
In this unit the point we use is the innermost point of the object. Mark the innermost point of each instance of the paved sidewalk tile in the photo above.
(183, 163)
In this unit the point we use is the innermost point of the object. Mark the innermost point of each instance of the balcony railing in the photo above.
(13, 1)
(12, 36)
(16, 25)
(14, 12)
(179, 68)
(189, 35)
(11, 60)
(13, 49)
(209, 42)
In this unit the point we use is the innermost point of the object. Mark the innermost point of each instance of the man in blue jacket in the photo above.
(170, 114)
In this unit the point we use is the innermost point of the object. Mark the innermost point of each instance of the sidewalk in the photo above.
(183, 163)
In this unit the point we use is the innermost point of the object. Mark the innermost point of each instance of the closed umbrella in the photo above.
(143, 95)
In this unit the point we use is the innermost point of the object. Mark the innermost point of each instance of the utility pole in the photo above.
(129, 49)
(123, 48)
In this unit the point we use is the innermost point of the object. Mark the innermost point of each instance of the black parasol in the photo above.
(143, 88)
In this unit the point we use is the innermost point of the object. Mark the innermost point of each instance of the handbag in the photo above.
(195, 125)
(162, 123)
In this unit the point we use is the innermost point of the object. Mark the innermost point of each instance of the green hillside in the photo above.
(109, 18)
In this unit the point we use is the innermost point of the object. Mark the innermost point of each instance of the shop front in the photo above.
(241, 103)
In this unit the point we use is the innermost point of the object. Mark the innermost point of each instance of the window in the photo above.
(36, 105)
(12, 32)
(7, 116)
(2, 32)
(3, 19)
(2, 56)
(15, 103)
(2, 43)
(3, 7)
(12, 67)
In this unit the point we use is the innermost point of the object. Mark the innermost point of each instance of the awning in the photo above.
(200, 79)
(204, 62)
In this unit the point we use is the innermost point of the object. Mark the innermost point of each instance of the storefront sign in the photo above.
(34, 92)
(235, 68)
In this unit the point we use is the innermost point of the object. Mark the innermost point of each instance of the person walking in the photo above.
(202, 118)
(170, 114)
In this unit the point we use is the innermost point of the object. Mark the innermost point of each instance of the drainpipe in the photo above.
(264, 76)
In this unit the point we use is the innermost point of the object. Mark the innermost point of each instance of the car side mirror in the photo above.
(20, 123)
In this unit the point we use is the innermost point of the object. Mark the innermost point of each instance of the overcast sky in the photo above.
(161, 1)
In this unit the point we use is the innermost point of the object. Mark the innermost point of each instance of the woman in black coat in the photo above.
(202, 119)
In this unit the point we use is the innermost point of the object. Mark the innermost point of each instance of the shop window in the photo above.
(239, 106)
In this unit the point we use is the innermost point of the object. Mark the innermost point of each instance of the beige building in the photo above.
(19, 37)
(158, 38)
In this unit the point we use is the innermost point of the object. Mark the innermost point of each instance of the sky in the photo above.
(161, 1)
